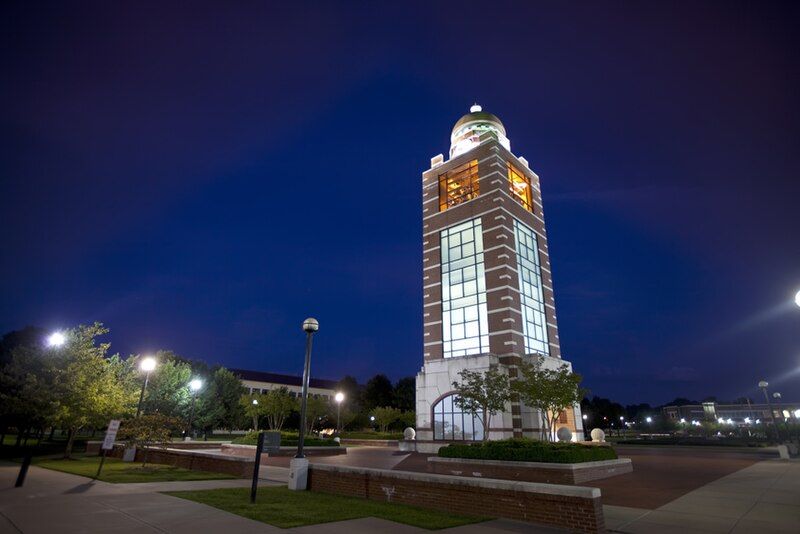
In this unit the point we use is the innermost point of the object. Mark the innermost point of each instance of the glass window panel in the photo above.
(472, 329)
(470, 288)
(451, 423)
(463, 291)
(530, 281)
(459, 185)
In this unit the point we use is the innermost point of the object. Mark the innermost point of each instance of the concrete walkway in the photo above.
(761, 498)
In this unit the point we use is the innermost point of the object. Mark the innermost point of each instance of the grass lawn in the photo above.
(284, 508)
(117, 471)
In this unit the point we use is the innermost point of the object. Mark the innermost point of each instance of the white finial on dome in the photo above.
(475, 108)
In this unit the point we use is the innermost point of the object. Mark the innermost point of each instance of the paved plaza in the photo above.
(671, 490)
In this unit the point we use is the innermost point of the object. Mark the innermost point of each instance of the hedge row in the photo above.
(288, 439)
(526, 450)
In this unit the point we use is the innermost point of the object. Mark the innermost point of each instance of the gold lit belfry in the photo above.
(520, 186)
(458, 185)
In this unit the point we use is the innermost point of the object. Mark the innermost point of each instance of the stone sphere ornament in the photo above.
(409, 433)
(564, 434)
(598, 436)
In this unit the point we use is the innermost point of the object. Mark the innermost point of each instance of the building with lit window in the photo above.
(487, 288)
(262, 382)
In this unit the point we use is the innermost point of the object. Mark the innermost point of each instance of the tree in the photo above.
(405, 393)
(220, 402)
(352, 392)
(26, 389)
(409, 419)
(147, 431)
(254, 406)
(385, 416)
(482, 394)
(86, 386)
(316, 409)
(378, 392)
(168, 388)
(278, 405)
(547, 390)
(30, 336)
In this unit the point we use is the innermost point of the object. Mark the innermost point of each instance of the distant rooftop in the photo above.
(286, 380)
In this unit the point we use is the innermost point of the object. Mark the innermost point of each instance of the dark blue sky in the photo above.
(203, 177)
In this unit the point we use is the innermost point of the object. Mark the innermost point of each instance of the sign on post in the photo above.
(108, 443)
(111, 435)
(272, 442)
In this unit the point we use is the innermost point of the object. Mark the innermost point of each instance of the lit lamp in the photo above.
(147, 365)
(56, 339)
(194, 387)
(649, 419)
(797, 299)
(339, 398)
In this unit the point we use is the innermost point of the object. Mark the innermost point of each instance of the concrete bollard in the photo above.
(298, 474)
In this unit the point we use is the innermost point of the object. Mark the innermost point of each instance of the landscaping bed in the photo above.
(525, 450)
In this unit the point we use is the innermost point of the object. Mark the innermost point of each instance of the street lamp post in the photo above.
(147, 365)
(339, 398)
(763, 385)
(195, 386)
(310, 326)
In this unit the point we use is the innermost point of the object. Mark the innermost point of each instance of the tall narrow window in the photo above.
(520, 187)
(534, 322)
(452, 423)
(465, 324)
(458, 185)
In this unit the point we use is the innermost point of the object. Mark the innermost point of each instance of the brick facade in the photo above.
(575, 508)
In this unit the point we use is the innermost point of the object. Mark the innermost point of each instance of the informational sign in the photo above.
(111, 435)
(272, 442)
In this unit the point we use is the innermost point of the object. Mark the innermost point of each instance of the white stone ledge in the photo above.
(619, 462)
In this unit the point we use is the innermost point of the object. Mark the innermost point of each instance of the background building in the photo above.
(261, 382)
(487, 287)
(738, 413)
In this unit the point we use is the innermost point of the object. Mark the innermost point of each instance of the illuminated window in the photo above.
(520, 188)
(534, 323)
(465, 324)
(452, 423)
(458, 185)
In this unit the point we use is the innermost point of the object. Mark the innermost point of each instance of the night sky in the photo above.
(202, 177)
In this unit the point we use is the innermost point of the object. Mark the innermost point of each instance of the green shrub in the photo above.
(372, 435)
(527, 450)
(288, 439)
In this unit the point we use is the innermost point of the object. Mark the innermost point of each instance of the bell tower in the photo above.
(487, 287)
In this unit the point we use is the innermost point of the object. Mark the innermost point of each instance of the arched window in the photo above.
(451, 423)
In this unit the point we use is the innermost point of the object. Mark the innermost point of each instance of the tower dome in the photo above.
(467, 131)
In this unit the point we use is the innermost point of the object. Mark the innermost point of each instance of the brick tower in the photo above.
(487, 288)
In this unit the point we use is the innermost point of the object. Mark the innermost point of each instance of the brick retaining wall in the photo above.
(195, 460)
(249, 451)
(93, 447)
(549, 473)
(572, 507)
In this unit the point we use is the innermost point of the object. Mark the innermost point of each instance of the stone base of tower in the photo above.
(435, 382)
